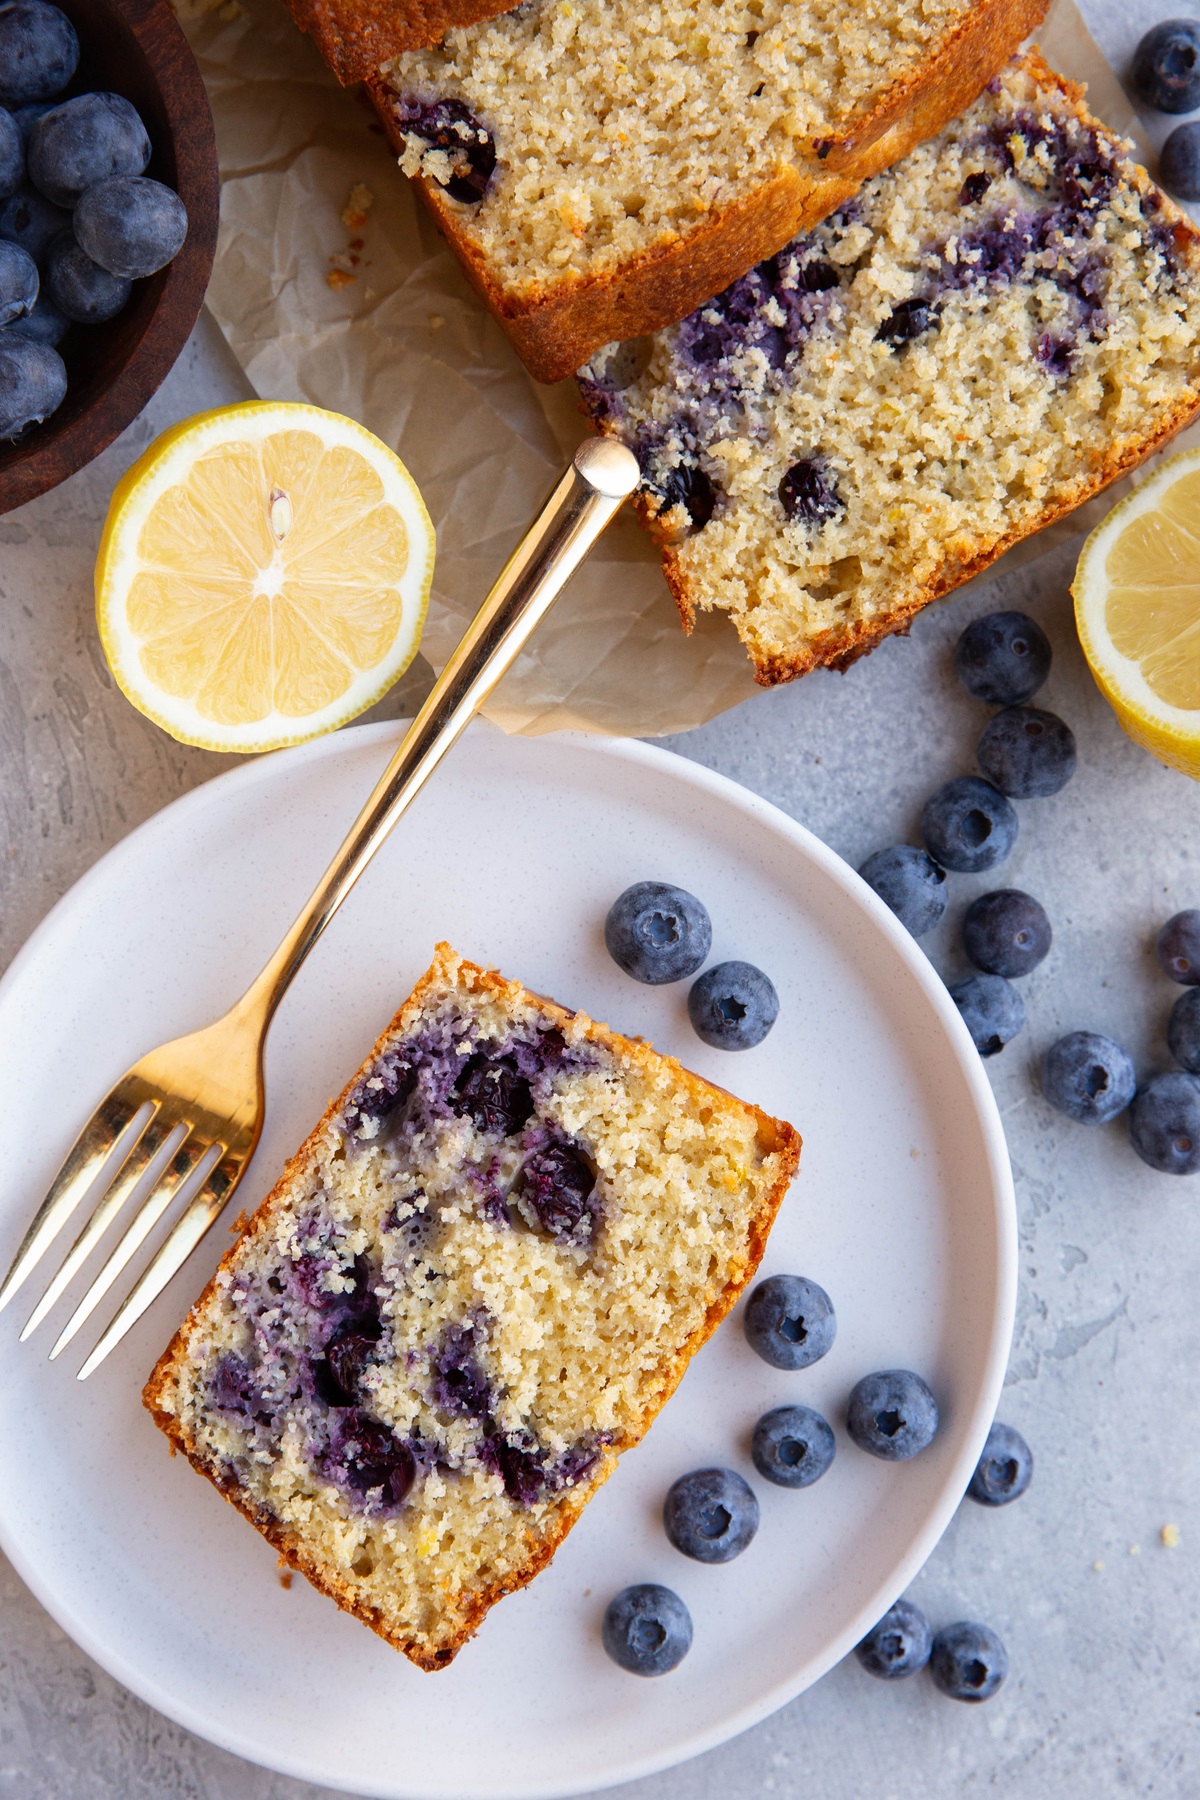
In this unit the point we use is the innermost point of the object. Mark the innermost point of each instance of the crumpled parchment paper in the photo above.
(332, 286)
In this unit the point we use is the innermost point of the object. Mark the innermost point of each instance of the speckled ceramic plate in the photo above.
(903, 1210)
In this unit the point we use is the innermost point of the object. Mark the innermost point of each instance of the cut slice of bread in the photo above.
(602, 166)
(988, 334)
(474, 1285)
(357, 36)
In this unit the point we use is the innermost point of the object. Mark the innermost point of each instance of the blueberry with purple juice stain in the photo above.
(84, 141)
(657, 932)
(1164, 1122)
(789, 1321)
(1089, 1077)
(974, 187)
(451, 126)
(910, 320)
(130, 225)
(792, 1446)
(733, 1006)
(371, 1459)
(1183, 1031)
(968, 1661)
(1027, 753)
(459, 1385)
(808, 493)
(1004, 1470)
(1003, 658)
(1166, 66)
(710, 1515)
(39, 51)
(968, 825)
(992, 1011)
(556, 1188)
(1178, 947)
(18, 283)
(898, 1645)
(1006, 933)
(892, 1414)
(493, 1094)
(910, 882)
(647, 1629)
(337, 1374)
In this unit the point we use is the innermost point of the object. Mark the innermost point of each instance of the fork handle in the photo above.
(601, 476)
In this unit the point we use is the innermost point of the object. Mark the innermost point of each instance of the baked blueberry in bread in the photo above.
(986, 335)
(603, 166)
(476, 1283)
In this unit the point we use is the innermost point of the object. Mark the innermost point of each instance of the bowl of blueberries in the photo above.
(108, 221)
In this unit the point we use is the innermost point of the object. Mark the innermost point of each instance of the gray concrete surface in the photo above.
(1098, 1613)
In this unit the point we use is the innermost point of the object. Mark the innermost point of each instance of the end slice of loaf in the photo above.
(987, 335)
(475, 1284)
(603, 166)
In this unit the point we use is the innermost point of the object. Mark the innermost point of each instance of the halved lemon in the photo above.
(1137, 607)
(263, 575)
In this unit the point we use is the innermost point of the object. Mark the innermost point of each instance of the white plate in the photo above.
(903, 1210)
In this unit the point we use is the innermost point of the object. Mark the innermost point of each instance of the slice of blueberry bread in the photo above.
(475, 1285)
(603, 166)
(988, 334)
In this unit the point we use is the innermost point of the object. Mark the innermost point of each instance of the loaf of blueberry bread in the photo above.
(602, 166)
(476, 1283)
(985, 336)
(356, 36)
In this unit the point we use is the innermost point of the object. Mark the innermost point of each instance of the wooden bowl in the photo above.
(134, 48)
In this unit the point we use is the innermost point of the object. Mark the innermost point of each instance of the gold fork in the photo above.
(187, 1117)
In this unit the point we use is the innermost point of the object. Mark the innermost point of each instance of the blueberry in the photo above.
(686, 485)
(45, 324)
(79, 287)
(336, 1374)
(33, 383)
(1089, 1077)
(733, 1006)
(892, 1414)
(18, 283)
(647, 1629)
(83, 141)
(808, 492)
(1027, 753)
(28, 116)
(1183, 1031)
(450, 125)
(789, 1321)
(910, 882)
(1179, 162)
(130, 225)
(1178, 947)
(792, 1446)
(968, 1661)
(710, 1514)
(556, 1186)
(27, 218)
(1166, 66)
(1004, 1470)
(974, 187)
(368, 1457)
(1003, 658)
(493, 1094)
(1164, 1123)
(992, 1011)
(39, 51)
(12, 155)
(657, 933)
(908, 321)
(968, 825)
(1006, 932)
(899, 1645)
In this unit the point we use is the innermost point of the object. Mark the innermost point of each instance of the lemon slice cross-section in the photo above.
(1137, 607)
(263, 575)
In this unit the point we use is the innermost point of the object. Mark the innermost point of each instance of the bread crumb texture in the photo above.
(475, 1285)
(985, 335)
(619, 126)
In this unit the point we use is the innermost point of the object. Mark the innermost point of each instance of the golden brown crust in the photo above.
(555, 329)
(356, 37)
(776, 1137)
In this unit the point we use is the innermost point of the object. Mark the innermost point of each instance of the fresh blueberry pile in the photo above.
(1165, 74)
(659, 933)
(970, 825)
(1091, 1078)
(80, 221)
